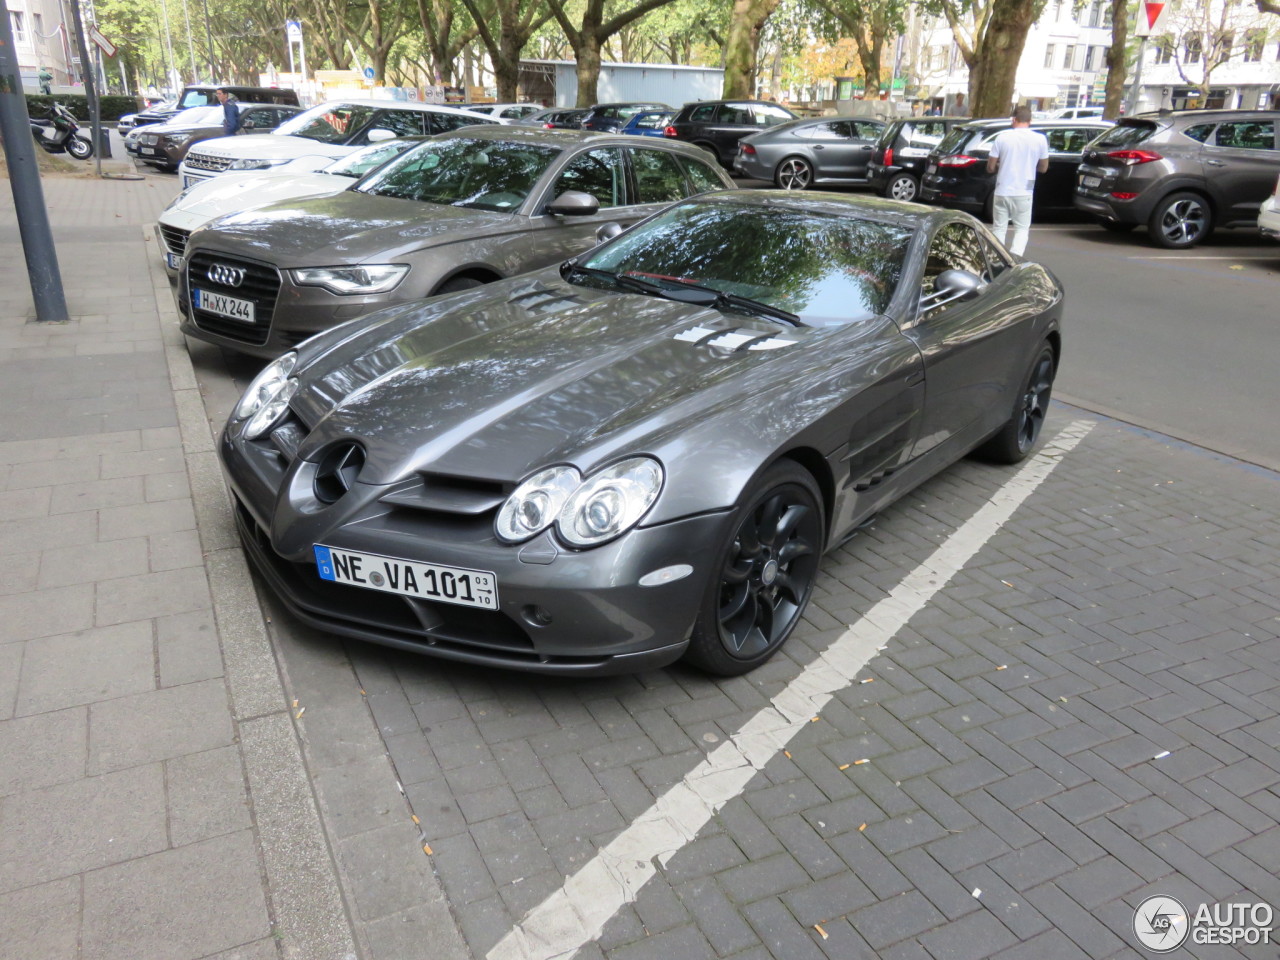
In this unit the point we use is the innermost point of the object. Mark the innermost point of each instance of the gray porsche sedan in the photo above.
(641, 454)
(462, 209)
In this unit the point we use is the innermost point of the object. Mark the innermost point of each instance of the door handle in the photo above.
(1215, 163)
(818, 146)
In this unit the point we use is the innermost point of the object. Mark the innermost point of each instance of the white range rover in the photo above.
(322, 134)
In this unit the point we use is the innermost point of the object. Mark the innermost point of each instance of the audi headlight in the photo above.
(348, 281)
(255, 164)
(610, 502)
(268, 396)
(535, 503)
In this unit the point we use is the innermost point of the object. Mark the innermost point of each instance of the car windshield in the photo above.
(1126, 133)
(362, 161)
(487, 174)
(954, 142)
(826, 269)
(197, 98)
(197, 115)
(328, 123)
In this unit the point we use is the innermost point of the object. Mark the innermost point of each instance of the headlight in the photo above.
(535, 503)
(268, 396)
(346, 281)
(255, 164)
(610, 502)
(178, 139)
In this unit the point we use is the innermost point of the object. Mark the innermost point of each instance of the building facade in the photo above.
(42, 38)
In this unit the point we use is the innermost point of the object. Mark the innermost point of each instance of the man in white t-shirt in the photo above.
(1017, 155)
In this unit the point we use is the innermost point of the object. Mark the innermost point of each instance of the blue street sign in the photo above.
(368, 73)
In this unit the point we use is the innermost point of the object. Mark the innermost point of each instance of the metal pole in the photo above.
(168, 39)
(191, 47)
(24, 180)
(208, 36)
(90, 86)
(1132, 106)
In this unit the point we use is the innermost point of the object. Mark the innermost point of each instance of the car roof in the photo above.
(1055, 122)
(865, 206)
(735, 103)
(628, 103)
(562, 139)
(1202, 114)
(397, 104)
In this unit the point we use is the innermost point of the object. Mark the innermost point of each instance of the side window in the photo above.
(1200, 132)
(866, 131)
(403, 123)
(701, 176)
(926, 136)
(703, 114)
(599, 173)
(826, 131)
(954, 247)
(738, 116)
(659, 178)
(769, 116)
(997, 262)
(1247, 135)
(444, 122)
(1067, 139)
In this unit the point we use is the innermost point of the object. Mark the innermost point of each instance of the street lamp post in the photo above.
(208, 36)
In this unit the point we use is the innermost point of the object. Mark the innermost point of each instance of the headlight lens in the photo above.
(346, 281)
(177, 139)
(255, 164)
(535, 503)
(266, 387)
(610, 502)
(271, 411)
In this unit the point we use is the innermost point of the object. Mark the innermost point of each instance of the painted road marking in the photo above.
(1213, 256)
(575, 914)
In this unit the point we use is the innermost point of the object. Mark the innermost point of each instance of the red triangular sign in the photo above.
(1153, 11)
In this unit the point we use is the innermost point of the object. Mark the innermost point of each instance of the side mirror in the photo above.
(608, 231)
(574, 203)
(378, 134)
(951, 286)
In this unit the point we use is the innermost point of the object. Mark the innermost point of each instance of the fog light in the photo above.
(535, 616)
(666, 575)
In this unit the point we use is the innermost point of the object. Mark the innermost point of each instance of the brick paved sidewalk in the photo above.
(153, 798)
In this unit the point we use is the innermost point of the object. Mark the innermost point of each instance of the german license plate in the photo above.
(224, 306)
(408, 578)
(933, 168)
(1091, 181)
(175, 262)
(149, 151)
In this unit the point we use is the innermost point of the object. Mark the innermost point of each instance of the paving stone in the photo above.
(188, 648)
(143, 908)
(685, 941)
(935, 883)
(361, 796)
(705, 856)
(42, 750)
(899, 918)
(41, 922)
(762, 878)
(779, 932)
(47, 613)
(973, 937)
(1087, 933)
(1032, 865)
(66, 566)
(86, 666)
(1009, 906)
(151, 595)
(82, 825)
(1147, 817)
(10, 670)
(1085, 802)
(179, 721)
(1099, 882)
(207, 795)
(382, 880)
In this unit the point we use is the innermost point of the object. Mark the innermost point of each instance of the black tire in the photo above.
(458, 284)
(1115, 226)
(989, 210)
(1180, 220)
(1018, 437)
(80, 148)
(765, 573)
(902, 186)
(794, 173)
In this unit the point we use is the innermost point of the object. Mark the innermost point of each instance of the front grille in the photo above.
(261, 286)
(175, 240)
(202, 161)
(150, 139)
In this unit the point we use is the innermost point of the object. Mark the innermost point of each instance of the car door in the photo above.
(1056, 187)
(599, 171)
(1242, 162)
(965, 343)
(831, 145)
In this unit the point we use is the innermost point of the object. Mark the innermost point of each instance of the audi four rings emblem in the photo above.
(226, 276)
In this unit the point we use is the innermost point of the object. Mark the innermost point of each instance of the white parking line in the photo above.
(1209, 256)
(575, 914)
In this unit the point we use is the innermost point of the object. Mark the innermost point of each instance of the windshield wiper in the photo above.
(710, 296)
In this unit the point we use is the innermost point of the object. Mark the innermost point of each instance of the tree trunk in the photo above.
(869, 56)
(742, 44)
(506, 69)
(1116, 74)
(588, 54)
(992, 75)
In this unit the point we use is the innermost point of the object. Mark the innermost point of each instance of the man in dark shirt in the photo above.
(230, 112)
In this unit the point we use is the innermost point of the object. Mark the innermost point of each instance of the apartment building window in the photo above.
(1222, 46)
(19, 26)
(1164, 49)
(1107, 15)
(1095, 14)
(1090, 54)
(1254, 41)
(37, 24)
(1069, 54)
(1191, 50)
(1048, 55)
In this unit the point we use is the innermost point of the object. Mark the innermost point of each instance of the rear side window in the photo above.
(700, 176)
(1068, 139)
(703, 114)
(954, 142)
(403, 123)
(599, 173)
(658, 176)
(769, 116)
(444, 122)
(889, 134)
(1200, 132)
(1246, 135)
(1126, 133)
(824, 131)
(738, 116)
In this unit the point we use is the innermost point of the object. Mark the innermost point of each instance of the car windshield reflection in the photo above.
(327, 123)
(485, 174)
(362, 161)
(823, 268)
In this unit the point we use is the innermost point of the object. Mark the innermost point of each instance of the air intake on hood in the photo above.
(440, 493)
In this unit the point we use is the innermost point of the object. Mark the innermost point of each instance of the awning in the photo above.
(1036, 91)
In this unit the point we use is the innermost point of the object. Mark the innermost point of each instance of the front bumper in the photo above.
(561, 611)
(1269, 220)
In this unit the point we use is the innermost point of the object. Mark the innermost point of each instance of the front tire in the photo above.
(903, 186)
(458, 284)
(80, 148)
(1018, 437)
(794, 173)
(765, 573)
(1180, 220)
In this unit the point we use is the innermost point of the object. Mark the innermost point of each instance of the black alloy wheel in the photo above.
(1180, 220)
(766, 574)
(794, 173)
(1018, 437)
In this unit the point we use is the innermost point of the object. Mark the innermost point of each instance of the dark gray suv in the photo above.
(1182, 173)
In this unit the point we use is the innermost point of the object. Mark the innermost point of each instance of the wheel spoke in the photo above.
(735, 604)
(787, 587)
(793, 549)
(793, 515)
(770, 515)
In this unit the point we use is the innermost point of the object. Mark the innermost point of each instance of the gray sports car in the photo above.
(801, 154)
(643, 453)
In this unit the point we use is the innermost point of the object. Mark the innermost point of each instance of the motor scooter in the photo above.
(58, 133)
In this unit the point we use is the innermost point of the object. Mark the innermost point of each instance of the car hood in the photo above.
(234, 192)
(347, 227)
(172, 127)
(525, 373)
(270, 146)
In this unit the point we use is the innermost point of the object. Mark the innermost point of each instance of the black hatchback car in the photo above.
(956, 172)
(718, 125)
(610, 117)
(1182, 173)
(898, 158)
